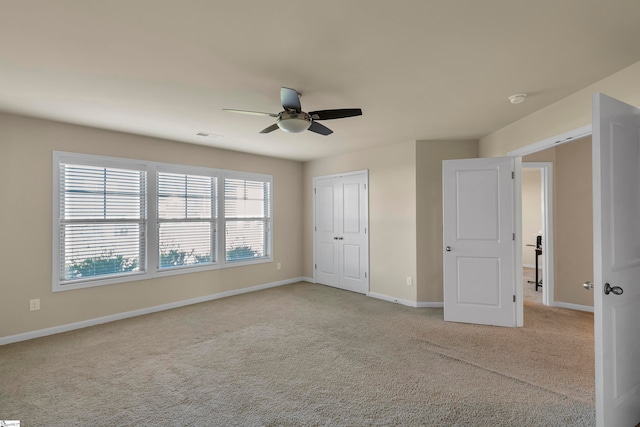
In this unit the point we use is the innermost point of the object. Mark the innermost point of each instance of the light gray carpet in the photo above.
(305, 354)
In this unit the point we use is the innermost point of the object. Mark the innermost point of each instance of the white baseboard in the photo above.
(430, 305)
(578, 307)
(307, 279)
(392, 299)
(401, 301)
(405, 301)
(119, 316)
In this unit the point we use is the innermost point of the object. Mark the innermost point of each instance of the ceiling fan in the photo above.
(294, 120)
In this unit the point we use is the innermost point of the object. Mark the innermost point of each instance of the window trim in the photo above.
(151, 236)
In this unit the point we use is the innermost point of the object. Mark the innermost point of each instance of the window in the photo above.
(247, 215)
(118, 220)
(186, 219)
(102, 222)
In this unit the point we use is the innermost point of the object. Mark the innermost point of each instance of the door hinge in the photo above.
(314, 191)
(315, 228)
(513, 175)
(365, 186)
(514, 298)
(315, 266)
(514, 236)
(365, 230)
(365, 274)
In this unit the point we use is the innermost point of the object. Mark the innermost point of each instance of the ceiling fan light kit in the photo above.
(294, 120)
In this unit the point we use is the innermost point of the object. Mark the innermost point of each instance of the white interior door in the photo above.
(480, 252)
(616, 219)
(326, 230)
(341, 231)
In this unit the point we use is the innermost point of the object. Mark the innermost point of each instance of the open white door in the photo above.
(480, 253)
(616, 235)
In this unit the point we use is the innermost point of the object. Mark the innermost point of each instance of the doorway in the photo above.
(537, 230)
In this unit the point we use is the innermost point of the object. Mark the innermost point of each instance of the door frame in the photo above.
(546, 176)
(553, 141)
(315, 179)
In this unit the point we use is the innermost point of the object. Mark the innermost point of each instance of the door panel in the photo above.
(625, 246)
(478, 219)
(626, 318)
(469, 268)
(479, 265)
(351, 208)
(351, 261)
(326, 258)
(616, 222)
(325, 205)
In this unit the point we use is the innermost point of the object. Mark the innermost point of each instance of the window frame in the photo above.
(151, 237)
(184, 170)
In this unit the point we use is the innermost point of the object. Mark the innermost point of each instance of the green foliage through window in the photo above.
(107, 263)
(176, 258)
(241, 253)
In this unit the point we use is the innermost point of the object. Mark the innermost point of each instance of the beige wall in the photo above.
(405, 213)
(429, 157)
(565, 115)
(26, 147)
(573, 231)
(531, 213)
(392, 214)
(572, 218)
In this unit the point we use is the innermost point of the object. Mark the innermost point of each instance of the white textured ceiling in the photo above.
(419, 69)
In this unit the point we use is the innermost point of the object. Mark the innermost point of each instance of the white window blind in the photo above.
(186, 219)
(102, 222)
(247, 214)
(118, 220)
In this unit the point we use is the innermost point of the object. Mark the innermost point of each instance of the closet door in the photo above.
(341, 231)
(326, 232)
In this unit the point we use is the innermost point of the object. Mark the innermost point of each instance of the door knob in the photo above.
(448, 249)
(612, 289)
(340, 238)
(588, 285)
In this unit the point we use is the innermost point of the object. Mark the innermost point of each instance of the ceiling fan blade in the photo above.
(290, 99)
(321, 129)
(252, 113)
(270, 128)
(335, 114)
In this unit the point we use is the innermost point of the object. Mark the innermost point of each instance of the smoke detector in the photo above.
(517, 98)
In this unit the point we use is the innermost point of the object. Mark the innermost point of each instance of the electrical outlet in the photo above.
(278, 266)
(34, 304)
(409, 281)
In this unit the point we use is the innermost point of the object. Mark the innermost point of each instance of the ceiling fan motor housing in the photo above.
(294, 122)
